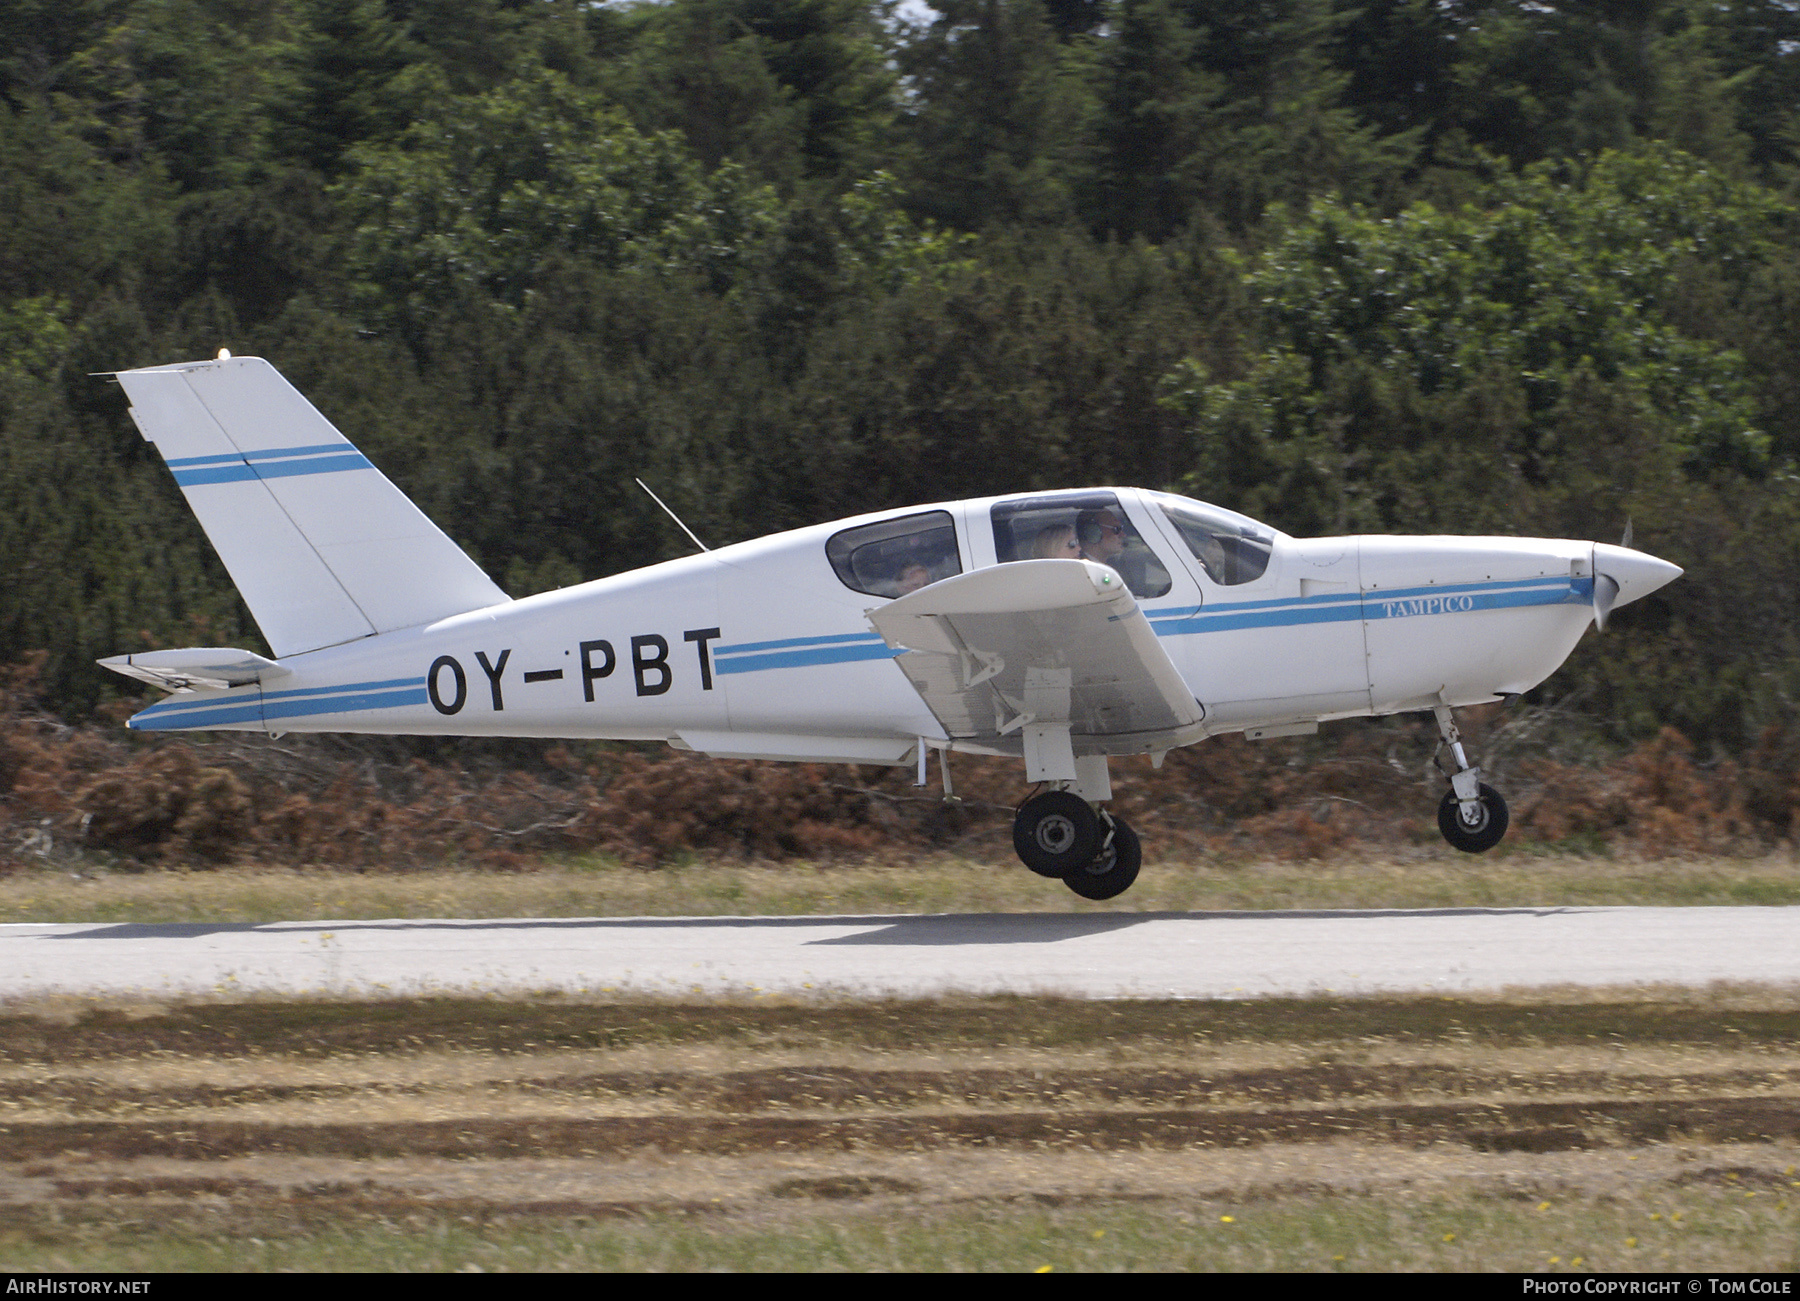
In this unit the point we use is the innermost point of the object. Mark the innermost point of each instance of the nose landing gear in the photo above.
(1472, 816)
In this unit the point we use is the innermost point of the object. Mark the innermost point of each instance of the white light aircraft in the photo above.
(1059, 628)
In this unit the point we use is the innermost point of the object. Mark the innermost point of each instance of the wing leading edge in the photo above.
(1049, 658)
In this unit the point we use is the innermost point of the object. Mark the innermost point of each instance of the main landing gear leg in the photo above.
(1471, 816)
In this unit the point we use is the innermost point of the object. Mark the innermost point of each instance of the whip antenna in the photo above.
(672, 515)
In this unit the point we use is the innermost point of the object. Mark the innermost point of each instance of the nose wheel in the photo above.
(1471, 816)
(1483, 831)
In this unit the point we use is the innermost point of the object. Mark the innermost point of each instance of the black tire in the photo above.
(1483, 836)
(1056, 831)
(1113, 869)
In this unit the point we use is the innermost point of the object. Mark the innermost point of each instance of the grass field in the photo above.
(1429, 878)
(1635, 1130)
(997, 1134)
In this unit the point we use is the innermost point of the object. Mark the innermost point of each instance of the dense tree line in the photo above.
(1518, 266)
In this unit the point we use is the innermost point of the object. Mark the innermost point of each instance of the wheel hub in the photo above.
(1055, 834)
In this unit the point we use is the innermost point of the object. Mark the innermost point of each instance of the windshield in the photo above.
(1231, 548)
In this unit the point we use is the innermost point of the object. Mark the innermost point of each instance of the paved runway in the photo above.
(1107, 955)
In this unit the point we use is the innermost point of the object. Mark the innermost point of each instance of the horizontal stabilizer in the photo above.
(323, 548)
(215, 667)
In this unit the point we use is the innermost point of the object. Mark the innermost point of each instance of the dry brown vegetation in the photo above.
(381, 803)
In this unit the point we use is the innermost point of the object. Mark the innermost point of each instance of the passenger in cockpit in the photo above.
(1056, 542)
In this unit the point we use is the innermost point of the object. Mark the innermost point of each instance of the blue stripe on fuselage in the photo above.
(801, 652)
(1182, 621)
(794, 659)
(345, 704)
(159, 718)
(1398, 603)
(746, 647)
(351, 697)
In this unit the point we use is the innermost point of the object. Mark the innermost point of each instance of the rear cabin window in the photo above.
(1079, 526)
(1231, 548)
(896, 556)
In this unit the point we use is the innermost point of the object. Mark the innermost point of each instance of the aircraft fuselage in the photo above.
(762, 649)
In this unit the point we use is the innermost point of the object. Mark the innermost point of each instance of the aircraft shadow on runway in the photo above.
(905, 929)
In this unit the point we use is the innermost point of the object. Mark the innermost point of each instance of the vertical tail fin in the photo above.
(322, 546)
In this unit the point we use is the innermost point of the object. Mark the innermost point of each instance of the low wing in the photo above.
(1041, 644)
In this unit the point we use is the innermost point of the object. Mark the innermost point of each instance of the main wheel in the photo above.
(1113, 869)
(1474, 837)
(1056, 831)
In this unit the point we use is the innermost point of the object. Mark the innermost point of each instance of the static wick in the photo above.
(672, 515)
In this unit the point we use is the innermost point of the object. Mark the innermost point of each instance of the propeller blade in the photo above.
(1626, 540)
(1606, 591)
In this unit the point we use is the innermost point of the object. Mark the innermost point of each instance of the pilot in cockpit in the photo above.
(1103, 539)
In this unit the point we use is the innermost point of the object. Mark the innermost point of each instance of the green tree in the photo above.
(467, 206)
(797, 90)
(1000, 118)
(694, 67)
(1156, 110)
(830, 57)
(198, 80)
(1291, 133)
(1377, 330)
(347, 60)
(78, 223)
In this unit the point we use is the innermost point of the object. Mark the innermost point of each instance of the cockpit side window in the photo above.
(1079, 526)
(896, 556)
(1231, 548)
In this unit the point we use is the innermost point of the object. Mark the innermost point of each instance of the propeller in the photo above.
(1606, 591)
(1606, 588)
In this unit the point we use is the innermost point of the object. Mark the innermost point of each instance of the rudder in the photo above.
(322, 546)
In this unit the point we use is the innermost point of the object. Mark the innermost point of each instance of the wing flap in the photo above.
(1033, 644)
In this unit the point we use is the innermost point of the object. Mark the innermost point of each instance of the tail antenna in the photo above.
(672, 515)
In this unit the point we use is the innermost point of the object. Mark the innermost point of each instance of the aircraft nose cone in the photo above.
(1636, 573)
